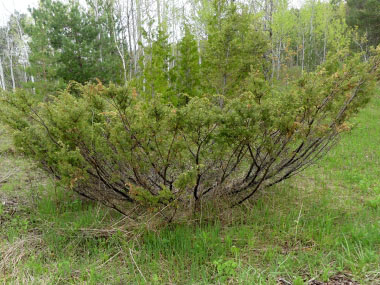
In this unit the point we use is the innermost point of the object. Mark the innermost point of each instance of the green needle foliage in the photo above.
(365, 14)
(116, 146)
(187, 69)
(155, 66)
(69, 43)
(234, 46)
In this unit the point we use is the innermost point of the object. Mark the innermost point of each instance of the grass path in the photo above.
(321, 226)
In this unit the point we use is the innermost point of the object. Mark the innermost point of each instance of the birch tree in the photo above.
(9, 52)
(2, 80)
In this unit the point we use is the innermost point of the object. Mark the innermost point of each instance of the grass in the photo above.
(323, 225)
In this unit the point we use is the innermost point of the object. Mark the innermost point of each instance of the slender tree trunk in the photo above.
(310, 57)
(273, 62)
(25, 50)
(25, 75)
(119, 38)
(297, 58)
(138, 28)
(131, 55)
(324, 45)
(12, 73)
(96, 8)
(303, 51)
(158, 12)
(199, 52)
(268, 26)
(10, 58)
(174, 21)
(268, 17)
(120, 51)
(2, 81)
(134, 36)
(279, 59)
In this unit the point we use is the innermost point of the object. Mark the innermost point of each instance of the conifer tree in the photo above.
(66, 37)
(43, 60)
(234, 46)
(187, 67)
(156, 75)
(365, 14)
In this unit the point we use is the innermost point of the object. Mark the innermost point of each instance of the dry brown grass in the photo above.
(15, 252)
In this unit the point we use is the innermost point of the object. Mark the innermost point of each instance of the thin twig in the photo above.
(298, 220)
(112, 257)
(8, 175)
(134, 262)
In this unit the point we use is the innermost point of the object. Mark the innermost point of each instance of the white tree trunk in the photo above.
(127, 28)
(25, 49)
(96, 10)
(120, 50)
(138, 28)
(2, 81)
(303, 51)
(10, 58)
(311, 33)
(12, 73)
(119, 38)
(158, 12)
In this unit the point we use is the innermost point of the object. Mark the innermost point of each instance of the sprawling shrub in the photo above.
(112, 145)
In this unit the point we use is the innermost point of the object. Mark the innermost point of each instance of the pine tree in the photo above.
(43, 58)
(366, 15)
(187, 69)
(234, 46)
(155, 64)
(65, 40)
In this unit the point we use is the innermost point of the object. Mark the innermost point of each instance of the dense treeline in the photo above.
(169, 46)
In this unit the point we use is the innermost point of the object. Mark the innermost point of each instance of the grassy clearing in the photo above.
(323, 225)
